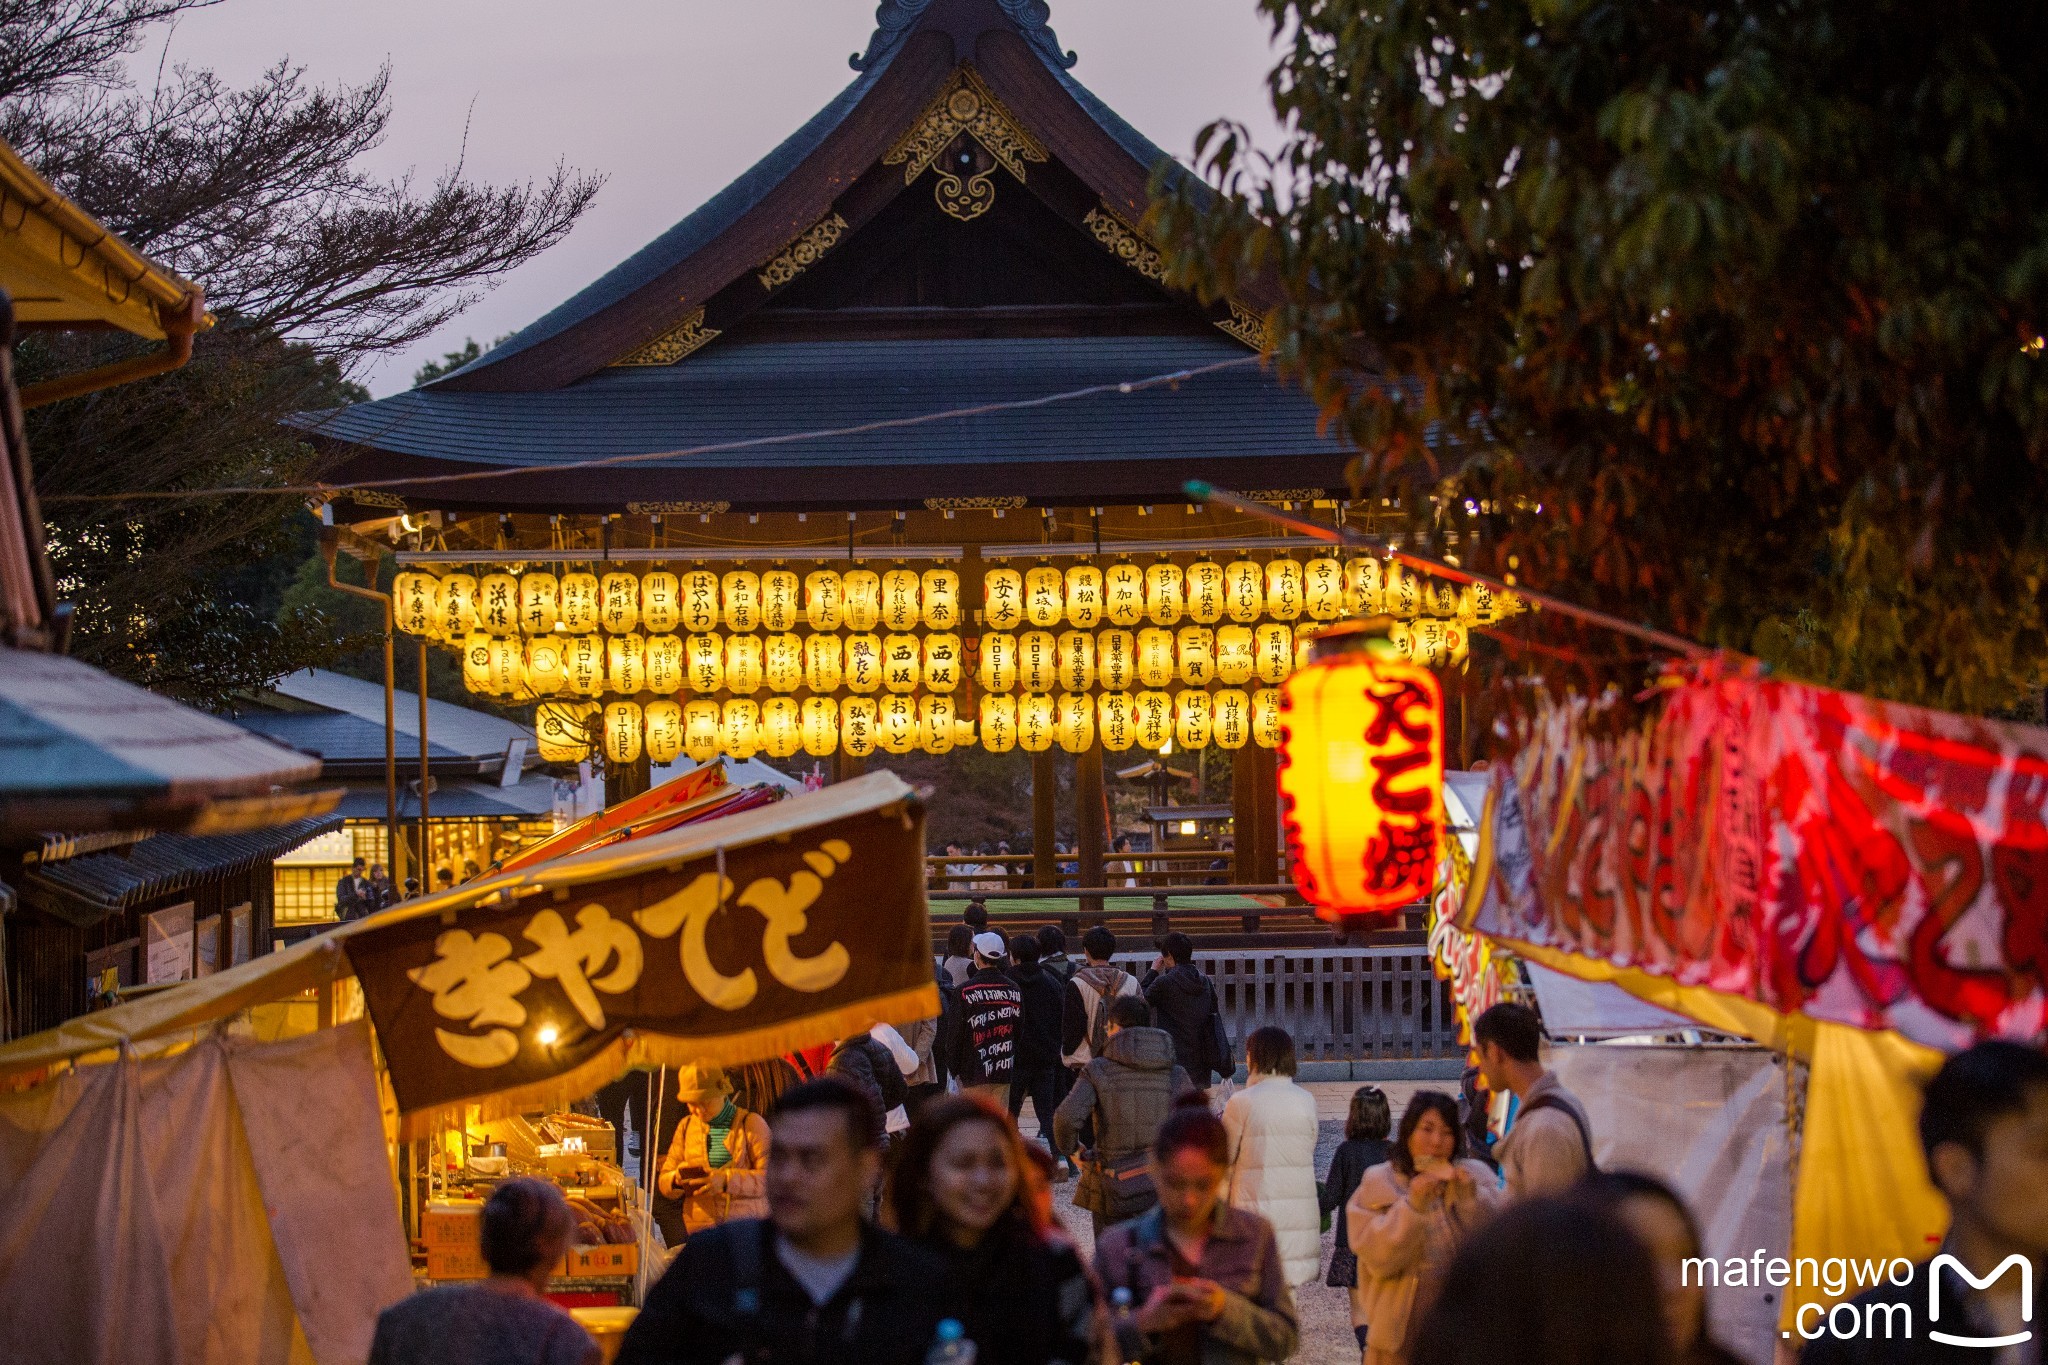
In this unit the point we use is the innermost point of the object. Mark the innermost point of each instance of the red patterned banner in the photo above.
(1866, 862)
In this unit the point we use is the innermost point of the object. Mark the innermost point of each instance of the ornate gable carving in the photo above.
(672, 345)
(966, 110)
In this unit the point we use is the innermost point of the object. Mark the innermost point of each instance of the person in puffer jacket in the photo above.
(1272, 1127)
(1116, 1106)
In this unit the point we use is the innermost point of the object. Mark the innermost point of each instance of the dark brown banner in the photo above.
(806, 938)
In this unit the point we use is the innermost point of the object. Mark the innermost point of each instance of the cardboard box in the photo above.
(610, 1258)
(455, 1224)
(456, 1263)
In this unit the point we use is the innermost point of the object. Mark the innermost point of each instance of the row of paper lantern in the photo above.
(899, 724)
(1082, 596)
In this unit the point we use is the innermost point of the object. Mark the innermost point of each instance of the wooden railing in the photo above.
(1338, 1003)
(1013, 871)
(1250, 907)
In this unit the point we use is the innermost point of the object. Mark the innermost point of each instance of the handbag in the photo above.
(1222, 1059)
(1124, 1186)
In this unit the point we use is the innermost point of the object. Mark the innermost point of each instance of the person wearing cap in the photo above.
(716, 1162)
(987, 1024)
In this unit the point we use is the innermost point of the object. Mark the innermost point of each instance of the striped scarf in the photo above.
(716, 1153)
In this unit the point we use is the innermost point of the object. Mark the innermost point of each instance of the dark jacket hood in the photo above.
(1185, 979)
(1143, 1049)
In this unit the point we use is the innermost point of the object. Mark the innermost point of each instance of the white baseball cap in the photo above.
(990, 944)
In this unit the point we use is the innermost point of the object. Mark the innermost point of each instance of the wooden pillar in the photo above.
(1244, 817)
(625, 780)
(1091, 821)
(1266, 789)
(1045, 806)
(846, 767)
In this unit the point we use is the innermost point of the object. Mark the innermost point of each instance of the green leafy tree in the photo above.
(1725, 317)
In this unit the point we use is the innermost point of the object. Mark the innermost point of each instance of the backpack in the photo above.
(888, 1078)
(1098, 1021)
(1585, 1134)
(1222, 1058)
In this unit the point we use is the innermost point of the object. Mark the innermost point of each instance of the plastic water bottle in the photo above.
(1130, 1338)
(950, 1346)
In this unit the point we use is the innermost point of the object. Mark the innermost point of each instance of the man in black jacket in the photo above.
(1038, 1036)
(984, 1038)
(1182, 1002)
(813, 1282)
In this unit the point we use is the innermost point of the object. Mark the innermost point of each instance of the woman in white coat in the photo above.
(1272, 1128)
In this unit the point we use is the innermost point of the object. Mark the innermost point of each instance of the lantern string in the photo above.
(1200, 491)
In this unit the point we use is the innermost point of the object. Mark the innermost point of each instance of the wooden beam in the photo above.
(1091, 822)
(1045, 867)
(1244, 819)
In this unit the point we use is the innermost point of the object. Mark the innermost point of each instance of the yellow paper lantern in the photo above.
(1045, 595)
(900, 659)
(663, 722)
(1365, 582)
(857, 726)
(664, 664)
(782, 664)
(540, 602)
(935, 717)
(998, 724)
(1479, 604)
(822, 667)
(780, 604)
(1084, 596)
(742, 664)
(618, 603)
(700, 730)
(781, 726)
(1197, 649)
(583, 661)
(1235, 659)
(899, 599)
(941, 662)
(1116, 659)
(1037, 719)
(1191, 719)
(507, 666)
(661, 603)
(1152, 719)
(1266, 717)
(1283, 590)
(820, 726)
(1402, 640)
(1165, 594)
(824, 600)
(1322, 589)
(1305, 633)
(1440, 598)
(739, 728)
(497, 606)
(1402, 595)
(1206, 599)
(1002, 599)
(1437, 643)
(896, 723)
(704, 662)
(1155, 664)
(1116, 721)
(1273, 646)
(939, 599)
(1244, 590)
(543, 673)
(416, 603)
(861, 600)
(476, 664)
(580, 603)
(622, 732)
(458, 607)
(997, 667)
(1076, 660)
(563, 730)
(740, 594)
(626, 664)
(1230, 718)
(1123, 594)
(698, 603)
(863, 670)
(1075, 728)
(1037, 661)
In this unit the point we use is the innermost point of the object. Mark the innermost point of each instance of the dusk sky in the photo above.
(669, 98)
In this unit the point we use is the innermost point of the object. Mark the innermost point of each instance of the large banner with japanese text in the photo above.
(1861, 861)
(726, 957)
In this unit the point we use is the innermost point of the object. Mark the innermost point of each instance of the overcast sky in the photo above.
(669, 98)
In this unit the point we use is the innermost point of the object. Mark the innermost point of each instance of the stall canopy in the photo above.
(86, 890)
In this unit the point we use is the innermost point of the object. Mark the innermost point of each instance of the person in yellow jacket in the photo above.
(717, 1162)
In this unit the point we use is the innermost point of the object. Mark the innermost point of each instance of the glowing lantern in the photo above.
(1155, 657)
(1206, 599)
(458, 607)
(1436, 643)
(622, 732)
(824, 600)
(661, 603)
(742, 664)
(863, 670)
(998, 664)
(900, 657)
(781, 734)
(998, 724)
(1305, 633)
(1165, 594)
(935, 716)
(1479, 604)
(1230, 718)
(619, 603)
(698, 605)
(1266, 717)
(1153, 719)
(1076, 660)
(1075, 728)
(779, 604)
(1037, 718)
(544, 674)
(1002, 599)
(1273, 650)
(782, 663)
(1361, 765)
(741, 595)
(1440, 598)
(861, 600)
(580, 603)
(939, 597)
(739, 728)
(1116, 720)
(583, 661)
(700, 731)
(497, 609)
(1244, 590)
(821, 664)
(704, 662)
(540, 603)
(626, 664)
(476, 663)
(857, 726)
(415, 603)
(663, 721)
(899, 599)
(1364, 584)
(1197, 655)
(1084, 596)
(1037, 661)
(896, 724)
(1235, 659)
(820, 726)
(941, 662)
(1123, 594)
(507, 666)
(1115, 659)
(1191, 719)
(1402, 595)
(1402, 641)
(1283, 590)
(1322, 589)
(1044, 595)
(563, 730)
(664, 665)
